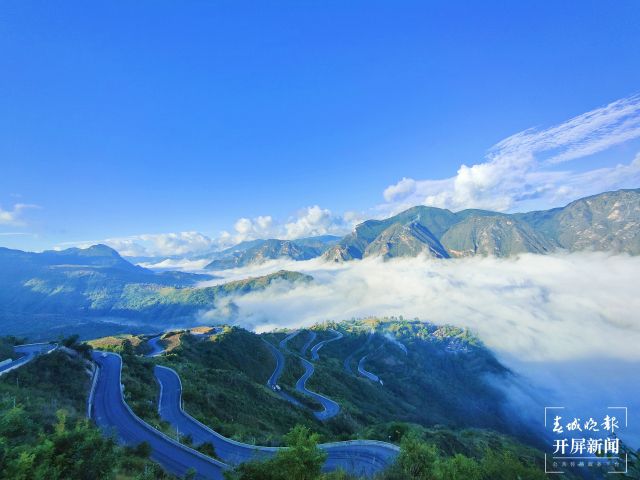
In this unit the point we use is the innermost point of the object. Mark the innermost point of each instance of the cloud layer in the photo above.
(538, 308)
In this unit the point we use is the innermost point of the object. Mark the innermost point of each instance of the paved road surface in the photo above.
(398, 344)
(28, 353)
(347, 361)
(285, 340)
(361, 457)
(156, 348)
(318, 346)
(371, 376)
(170, 409)
(305, 347)
(112, 414)
(272, 383)
(329, 407)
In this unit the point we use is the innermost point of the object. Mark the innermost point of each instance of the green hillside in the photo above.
(43, 431)
(443, 379)
(607, 222)
(438, 391)
(96, 290)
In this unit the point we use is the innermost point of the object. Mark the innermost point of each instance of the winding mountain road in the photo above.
(358, 457)
(305, 347)
(170, 410)
(347, 361)
(285, 340)
(329, 408)
(314, 351)
(112, 415)
(361, 370)
(28, 352)
(272, 382)
(372, 376)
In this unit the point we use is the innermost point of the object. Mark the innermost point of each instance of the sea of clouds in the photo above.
(568, 325)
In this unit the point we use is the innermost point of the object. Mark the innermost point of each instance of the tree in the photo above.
(208, 449)
(458, 467)
(79, 453)
(127, 348)
(417, 459)
(143, 450)
(15, 423)
(71, 341)
(3, 452)
(302, 459)
(505, 466)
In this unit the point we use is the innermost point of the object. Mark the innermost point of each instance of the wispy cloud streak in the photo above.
(521, 170)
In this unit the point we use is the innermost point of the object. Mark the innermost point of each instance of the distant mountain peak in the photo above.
(259, 251)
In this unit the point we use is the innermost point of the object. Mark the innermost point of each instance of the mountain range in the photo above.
(259, 251)
(53, 289)
(72, 287)
(606, 222)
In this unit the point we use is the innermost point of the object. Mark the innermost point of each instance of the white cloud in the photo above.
(400, 189)
(154, 245)
(248, 229)
(313, 221)
(310, 221)
(14, 216)
(307, 222)
(521, 172)
(176, 264)
(181, 243)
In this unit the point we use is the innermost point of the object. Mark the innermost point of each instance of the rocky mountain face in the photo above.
(497, 235)
(606, 222)
(259, 251)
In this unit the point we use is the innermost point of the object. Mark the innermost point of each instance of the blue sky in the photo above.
(159, 125)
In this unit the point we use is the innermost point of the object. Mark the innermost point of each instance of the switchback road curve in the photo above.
(305, 347)
(112, 415)
(329, 407)
(314, 351)
(358, 457)
(347, 361)
(272, 382)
